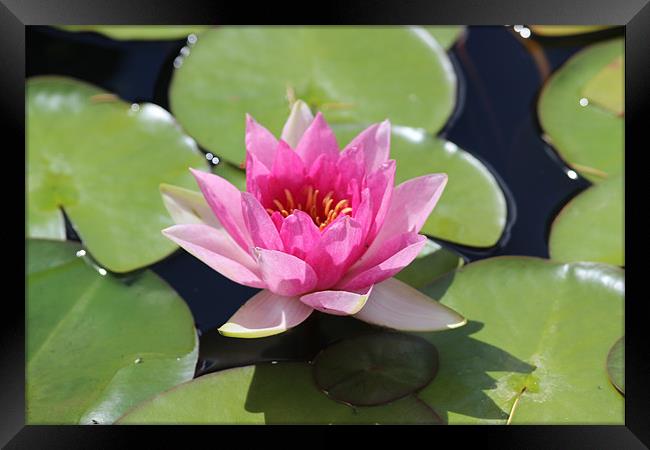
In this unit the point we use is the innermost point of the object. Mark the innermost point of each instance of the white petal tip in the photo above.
(235, 330)
(457, 325)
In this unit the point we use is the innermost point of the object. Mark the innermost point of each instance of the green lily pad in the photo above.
(607, 88)
(616, 365)
(432, 262)
(472, 210)
(375, 369)
(589, 137)
(590, 227)
(102, 160)
(96, 346)
(446, 35)
(140, 32)
(282, 393)
(352, 75)
(564, 30)
(534, 349)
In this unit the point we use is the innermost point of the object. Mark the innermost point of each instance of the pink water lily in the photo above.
(316, 228)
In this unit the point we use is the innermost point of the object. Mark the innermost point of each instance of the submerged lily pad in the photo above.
(564, 30)
(102, 160)
(375, 369)
(590, 227)
(140, 32)
(96, 345)
(587, 136)
(432, 262)
(352, 75)
(535, 346)
(616, 365)
(283, 393)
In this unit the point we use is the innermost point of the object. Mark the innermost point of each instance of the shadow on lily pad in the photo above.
(464, 385)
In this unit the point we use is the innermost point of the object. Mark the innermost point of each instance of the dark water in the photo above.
(500, 76)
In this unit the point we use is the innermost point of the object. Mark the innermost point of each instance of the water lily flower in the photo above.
(317, 229)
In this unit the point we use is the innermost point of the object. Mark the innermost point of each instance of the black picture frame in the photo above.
(633, 14)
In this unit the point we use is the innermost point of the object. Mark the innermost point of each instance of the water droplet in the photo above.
(178, 358)
(185, 51)
(209, 156)
(191, 39)
(138, 360)
(178, 62)
(102, 271)
(215, 160)
(450, 147)
(274, 362)
(572, 174)
(524, 33)
(135, 107)
(518, 28)
(584, 101)
(81, 253)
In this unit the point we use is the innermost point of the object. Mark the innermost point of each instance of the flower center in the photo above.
(323, 210)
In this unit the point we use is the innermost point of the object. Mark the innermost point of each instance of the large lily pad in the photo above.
(535, 346)
(588, 136)
(432, 262)
(283, 393)
(446, 35)
(616, 365)
(472, 210)
(352, 75)
(590, 227)
(101, 160)
(97, 346)
(140, 32)
(376, 368)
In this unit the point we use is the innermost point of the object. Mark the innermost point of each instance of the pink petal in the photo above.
(299, 234)
(386, 262)
(225, 201)
(297, 123)
(339, 246)
(288, 171)
(410, 206)
(218, 250)
(375, 143)
(257, 177)
(260, 142)
(397, 305)
(262, 230)
(186, 206)
(351, 163)
(284, 274)
(338, 303)
(317, 140)
(380, 183)
(265, 314)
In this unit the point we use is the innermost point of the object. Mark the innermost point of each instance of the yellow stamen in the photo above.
(284, 213)
(346, 210)
(328, 205)
(310, 192)
(270, 211)
(327, 197)
(289, 198)
(279, 205)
